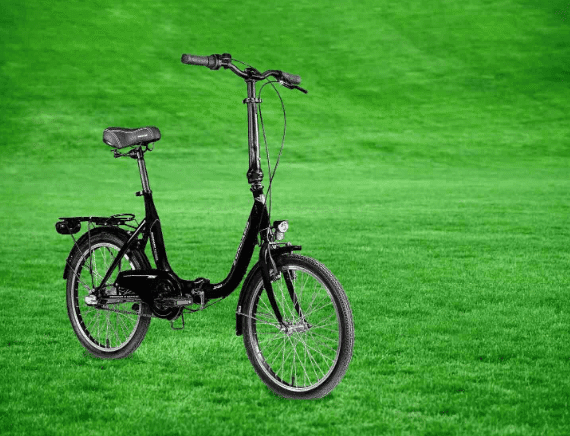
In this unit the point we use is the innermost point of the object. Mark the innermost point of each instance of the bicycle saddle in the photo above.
(120, 137)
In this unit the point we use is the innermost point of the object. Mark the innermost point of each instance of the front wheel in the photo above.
(308, 355)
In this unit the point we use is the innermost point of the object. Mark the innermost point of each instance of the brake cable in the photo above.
(271, 173)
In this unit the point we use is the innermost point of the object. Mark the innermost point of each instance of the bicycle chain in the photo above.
(202, 307)
(126, 312)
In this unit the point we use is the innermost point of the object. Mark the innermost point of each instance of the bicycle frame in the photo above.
(258, 221)
(312, 330)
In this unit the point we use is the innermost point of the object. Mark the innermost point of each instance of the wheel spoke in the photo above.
(98, 325)
(276, 351)
(121, 320)
(325, 329)
(107, 329)
(270, 341)
(269, 310)
(305, 375)
(265, 316)
(313, 363)
(322, 336)
(317, 309)
(262, 321)
(85, 312)
(309, 309)
(94, 266)
(115, 331)
(81, 282)
(317, 351)
(322, 344)
(283, 358)
(295, 351)
(93, 319)
(320, 321)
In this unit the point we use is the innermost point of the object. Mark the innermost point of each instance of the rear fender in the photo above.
(123, 234)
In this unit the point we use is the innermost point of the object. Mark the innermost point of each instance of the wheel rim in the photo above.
(302, 358)
(106, 330)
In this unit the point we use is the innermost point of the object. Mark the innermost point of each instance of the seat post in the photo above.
(143, 172)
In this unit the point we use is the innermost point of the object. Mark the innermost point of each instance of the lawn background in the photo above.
(428, 168)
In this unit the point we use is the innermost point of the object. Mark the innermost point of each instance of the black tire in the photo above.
(104, 332)
(310, 358)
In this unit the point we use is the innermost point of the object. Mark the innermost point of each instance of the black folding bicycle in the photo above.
(293, 313)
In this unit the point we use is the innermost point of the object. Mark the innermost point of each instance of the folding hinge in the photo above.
(252, 100)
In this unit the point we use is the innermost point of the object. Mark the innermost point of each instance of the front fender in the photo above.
(245, 289)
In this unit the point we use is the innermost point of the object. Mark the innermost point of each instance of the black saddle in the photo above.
(120, 137)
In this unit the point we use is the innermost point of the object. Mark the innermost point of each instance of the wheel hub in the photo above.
(90, 300)
(297, 327)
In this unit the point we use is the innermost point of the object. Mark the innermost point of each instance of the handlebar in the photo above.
(212, 62)
(294, 79)
(215, 61)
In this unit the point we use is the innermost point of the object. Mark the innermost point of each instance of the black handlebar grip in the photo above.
(293, 79)
(212, 62)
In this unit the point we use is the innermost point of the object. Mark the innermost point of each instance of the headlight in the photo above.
(280, 228)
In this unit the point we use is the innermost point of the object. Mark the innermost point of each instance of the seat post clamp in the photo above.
(252, 100)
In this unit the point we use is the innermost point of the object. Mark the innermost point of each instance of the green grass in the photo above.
(428, 168)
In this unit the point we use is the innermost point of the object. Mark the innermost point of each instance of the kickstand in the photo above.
(177, 328)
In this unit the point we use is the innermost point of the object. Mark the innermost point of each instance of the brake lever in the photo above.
(289, 86)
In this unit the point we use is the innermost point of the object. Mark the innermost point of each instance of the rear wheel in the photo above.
(309, 355)
(110, 331)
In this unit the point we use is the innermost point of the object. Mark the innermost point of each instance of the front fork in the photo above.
(269, 274)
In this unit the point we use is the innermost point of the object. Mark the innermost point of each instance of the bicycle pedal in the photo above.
(202, 299)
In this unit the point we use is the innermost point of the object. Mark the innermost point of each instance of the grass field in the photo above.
(428, 168)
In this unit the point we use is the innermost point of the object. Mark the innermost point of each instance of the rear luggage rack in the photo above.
(72, 225)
